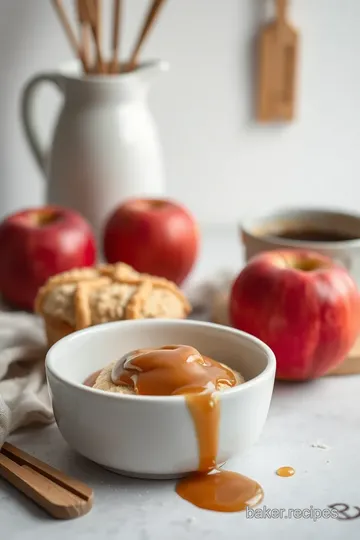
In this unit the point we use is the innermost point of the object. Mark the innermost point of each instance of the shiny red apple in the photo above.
(155, 236)
(37, 243)
(303, 305)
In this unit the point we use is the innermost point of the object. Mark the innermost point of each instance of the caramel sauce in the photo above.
(171, 370)
(90, 381)
(285, 472)
(182, 370)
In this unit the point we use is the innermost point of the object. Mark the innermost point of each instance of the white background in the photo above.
(219, 161)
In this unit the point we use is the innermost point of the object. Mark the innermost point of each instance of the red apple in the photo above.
(38, 243)
(155, 236)
(303, 305)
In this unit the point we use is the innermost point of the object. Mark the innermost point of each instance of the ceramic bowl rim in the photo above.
(81, 388)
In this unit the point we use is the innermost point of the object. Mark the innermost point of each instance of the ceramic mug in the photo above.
(263, 234)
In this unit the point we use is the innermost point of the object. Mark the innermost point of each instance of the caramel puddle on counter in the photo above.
(181, 370)
(285, 472)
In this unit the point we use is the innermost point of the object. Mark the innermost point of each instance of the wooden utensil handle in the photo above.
(52, 498)
(281, 9)
(71, 484)
(61, 496)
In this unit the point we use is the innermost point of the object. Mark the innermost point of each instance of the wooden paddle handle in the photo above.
(281, 9)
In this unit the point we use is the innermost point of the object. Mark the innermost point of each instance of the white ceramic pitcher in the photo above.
(105, 146)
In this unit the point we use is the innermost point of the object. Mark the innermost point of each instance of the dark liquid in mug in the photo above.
(313, 235)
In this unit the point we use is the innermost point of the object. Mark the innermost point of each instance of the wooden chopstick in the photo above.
(61, 496)
(148, 23)
(60, 10)
(115, 66)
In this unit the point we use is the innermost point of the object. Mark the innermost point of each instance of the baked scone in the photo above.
(88, 296)
(104, 382)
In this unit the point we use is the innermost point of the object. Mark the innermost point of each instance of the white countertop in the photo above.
(312, 427)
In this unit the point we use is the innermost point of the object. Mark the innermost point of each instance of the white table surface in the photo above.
(312, 427)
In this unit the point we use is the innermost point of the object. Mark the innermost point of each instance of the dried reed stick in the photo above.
(89, 14)
(85, 32)
(115, 66)
(147, 25)
(98, 26)
(93, 17)
(60, 10)
(86, 43)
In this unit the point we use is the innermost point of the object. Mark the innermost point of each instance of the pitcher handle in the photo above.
(27, 115)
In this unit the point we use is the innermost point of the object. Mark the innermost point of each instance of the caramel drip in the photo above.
(285, 471)
(205, 412)
(172, 370)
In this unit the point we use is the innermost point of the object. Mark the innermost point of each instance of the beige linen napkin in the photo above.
(210, 299)
(24, 398)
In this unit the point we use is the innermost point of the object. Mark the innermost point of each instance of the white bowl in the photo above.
(151, 436)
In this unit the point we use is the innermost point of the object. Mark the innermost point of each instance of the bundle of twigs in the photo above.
(87, 41)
